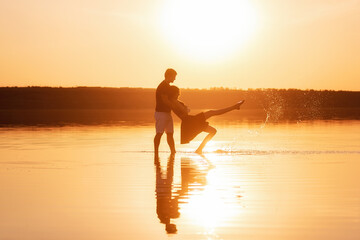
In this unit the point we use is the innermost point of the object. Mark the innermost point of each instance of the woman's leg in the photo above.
(211, 113)
(212, 132)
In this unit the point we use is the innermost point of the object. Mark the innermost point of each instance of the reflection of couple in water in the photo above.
(191, 125)
(167, 200)
(166, 206)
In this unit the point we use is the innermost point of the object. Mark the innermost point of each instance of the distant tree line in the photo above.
(142, 98)
(96, 105)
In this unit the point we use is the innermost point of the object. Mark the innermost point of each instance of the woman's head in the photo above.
(174, 92)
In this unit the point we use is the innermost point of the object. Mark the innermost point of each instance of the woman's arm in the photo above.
(179, 108)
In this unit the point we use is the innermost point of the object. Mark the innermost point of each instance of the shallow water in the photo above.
(255, 181)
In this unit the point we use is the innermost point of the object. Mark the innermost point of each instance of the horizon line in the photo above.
(203, 89)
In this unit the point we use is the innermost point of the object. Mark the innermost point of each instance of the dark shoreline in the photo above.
(95, 105)
(144, 98)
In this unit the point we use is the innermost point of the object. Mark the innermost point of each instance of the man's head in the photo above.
(170, 75)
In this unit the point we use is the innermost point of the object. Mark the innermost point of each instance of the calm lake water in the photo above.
(255, 181)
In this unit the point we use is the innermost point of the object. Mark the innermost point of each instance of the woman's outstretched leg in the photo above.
(210, 113)
(212, 132)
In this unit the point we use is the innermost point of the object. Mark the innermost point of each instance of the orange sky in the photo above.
(308, 44)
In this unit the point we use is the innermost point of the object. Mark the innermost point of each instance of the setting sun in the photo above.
(208, 30)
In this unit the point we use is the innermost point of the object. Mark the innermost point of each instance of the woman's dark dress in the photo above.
(191, 126)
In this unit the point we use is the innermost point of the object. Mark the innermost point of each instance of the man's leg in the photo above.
(157, 139)
(170, 140)
(212, 132)
(170, 134)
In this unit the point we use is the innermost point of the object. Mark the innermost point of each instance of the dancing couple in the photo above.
(191, 125)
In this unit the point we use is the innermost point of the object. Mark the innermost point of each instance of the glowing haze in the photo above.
(213, 43)
(208, 30)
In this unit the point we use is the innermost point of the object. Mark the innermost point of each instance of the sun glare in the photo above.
(212, 207)
(208, 29)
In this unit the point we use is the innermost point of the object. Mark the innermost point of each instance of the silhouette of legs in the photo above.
(157, 139)
(211, 113)
(170, 141)
(212, 132)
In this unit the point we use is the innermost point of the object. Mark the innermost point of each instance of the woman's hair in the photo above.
(173, 91)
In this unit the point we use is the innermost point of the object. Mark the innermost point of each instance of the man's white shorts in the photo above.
(164, 122)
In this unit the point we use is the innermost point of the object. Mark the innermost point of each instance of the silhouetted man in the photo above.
(163, 118)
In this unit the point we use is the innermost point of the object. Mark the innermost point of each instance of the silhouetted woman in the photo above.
(192, 125)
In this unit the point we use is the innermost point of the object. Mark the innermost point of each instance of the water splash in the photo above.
(257, 132)
(266, 120)
(256, 152)
(290, 104)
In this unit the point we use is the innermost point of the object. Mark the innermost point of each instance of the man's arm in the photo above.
(179, 108)
(175, 105)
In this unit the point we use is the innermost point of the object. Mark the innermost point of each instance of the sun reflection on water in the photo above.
(207, 204)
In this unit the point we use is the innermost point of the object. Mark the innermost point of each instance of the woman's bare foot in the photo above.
(238, 104)
(198, 151)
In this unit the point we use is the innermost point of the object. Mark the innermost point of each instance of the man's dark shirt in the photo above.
(162, 89)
